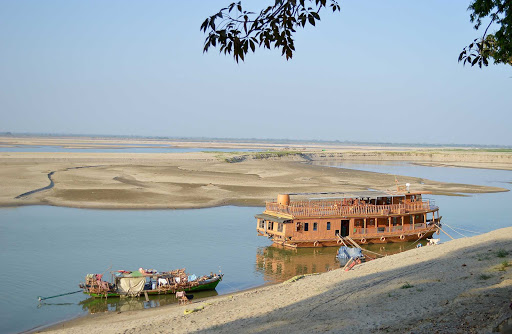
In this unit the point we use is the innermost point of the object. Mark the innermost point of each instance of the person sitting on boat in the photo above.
(102, 285)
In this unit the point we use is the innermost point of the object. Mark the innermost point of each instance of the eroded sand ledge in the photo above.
(457, 287)
(189, 180)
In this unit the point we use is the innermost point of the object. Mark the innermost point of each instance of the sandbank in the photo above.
(190, 180)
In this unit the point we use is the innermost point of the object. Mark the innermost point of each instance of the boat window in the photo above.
(315, 226)
(306, 226)
(280, 227)
(262, 223)
(270, 225)
(328, 226)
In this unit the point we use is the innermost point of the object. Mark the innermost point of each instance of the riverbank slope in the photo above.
(462, 286)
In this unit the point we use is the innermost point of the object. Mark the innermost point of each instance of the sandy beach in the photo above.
(461, 286)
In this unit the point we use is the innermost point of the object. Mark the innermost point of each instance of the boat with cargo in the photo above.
(148, 282)
(370, 217)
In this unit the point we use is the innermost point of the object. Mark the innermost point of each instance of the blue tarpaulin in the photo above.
(349, 252)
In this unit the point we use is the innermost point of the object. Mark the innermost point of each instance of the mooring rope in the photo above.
(458, 228)
(62, 294)
(451, 228)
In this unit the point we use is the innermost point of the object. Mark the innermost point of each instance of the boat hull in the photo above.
(360, 240)
(201, 287)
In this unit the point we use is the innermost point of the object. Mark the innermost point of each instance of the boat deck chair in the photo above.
(182, 297)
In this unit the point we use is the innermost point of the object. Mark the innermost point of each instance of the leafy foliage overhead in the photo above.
(497, 45)
(236, 31)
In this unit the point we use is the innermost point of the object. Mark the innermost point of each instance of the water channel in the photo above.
(46, 250)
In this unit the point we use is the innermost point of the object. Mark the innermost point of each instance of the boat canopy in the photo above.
(264, 216)
(131, 286)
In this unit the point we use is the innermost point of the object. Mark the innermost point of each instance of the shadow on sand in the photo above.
(462, 291)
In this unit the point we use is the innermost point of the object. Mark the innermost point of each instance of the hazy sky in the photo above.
(377, 71)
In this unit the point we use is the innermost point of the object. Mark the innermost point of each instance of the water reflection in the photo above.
(277, 264)
(392, 248)
(99, 305)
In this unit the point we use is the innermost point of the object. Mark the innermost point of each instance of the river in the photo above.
(47, 250)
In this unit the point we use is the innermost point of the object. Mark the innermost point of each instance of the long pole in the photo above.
(63, 294)
(439, 227)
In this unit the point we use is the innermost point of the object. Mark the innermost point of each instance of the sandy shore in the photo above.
(185, 180)
(462, 286)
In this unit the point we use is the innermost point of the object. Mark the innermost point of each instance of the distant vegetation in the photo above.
(276, 154)
(256, 155)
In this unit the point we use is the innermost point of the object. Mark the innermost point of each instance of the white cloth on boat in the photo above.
(162, 281)
(177, 279)
(131, 286)
(192, 278)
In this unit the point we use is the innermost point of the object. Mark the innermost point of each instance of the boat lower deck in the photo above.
(362, 239)
(202, 286)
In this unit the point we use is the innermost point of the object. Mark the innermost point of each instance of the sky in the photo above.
(379, 71)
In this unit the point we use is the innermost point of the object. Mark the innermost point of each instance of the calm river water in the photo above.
(45, 251)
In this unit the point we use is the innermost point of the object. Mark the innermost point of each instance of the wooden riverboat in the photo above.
(365, 218)
(146, 282)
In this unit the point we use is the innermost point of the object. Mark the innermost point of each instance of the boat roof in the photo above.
(276, 219)
(373, 194)
(360, 194)
(137, 273)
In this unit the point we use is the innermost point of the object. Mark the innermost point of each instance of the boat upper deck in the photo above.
(305, 209)
(380, 204)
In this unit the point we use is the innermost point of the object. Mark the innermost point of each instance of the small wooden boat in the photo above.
(134, 284)
(370, 217)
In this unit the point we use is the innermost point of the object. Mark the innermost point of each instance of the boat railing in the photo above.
(386, 229)
(335, 208)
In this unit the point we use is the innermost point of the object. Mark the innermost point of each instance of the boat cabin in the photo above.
(367, 217)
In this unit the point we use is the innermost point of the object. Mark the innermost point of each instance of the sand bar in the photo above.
(187, 180)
